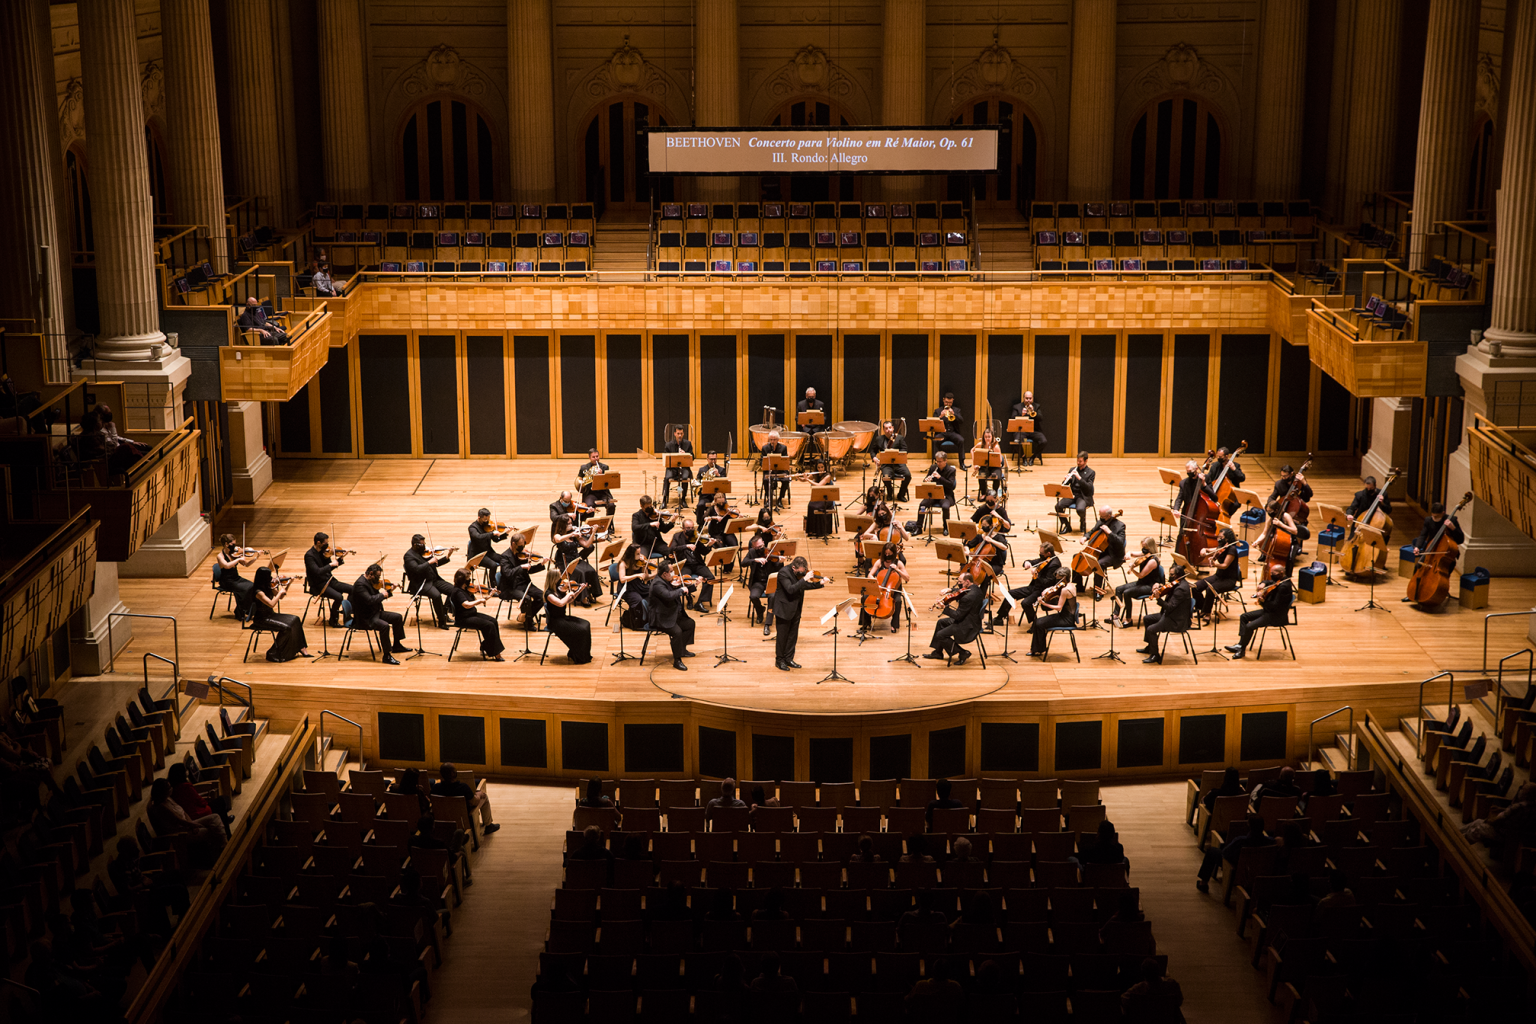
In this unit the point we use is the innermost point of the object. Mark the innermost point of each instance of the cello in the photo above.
(1096, 543)
(1353, 559)
(1200, 521)
(1278, 540)
(1431, 581)
(883, 605)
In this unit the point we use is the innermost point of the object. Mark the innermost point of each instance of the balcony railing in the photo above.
(1367, 368)
(152, 491)
(48, 575)
(1503, 472)
(275, 373)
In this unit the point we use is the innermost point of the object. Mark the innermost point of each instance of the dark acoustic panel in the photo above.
(530, 368)
(946, 752)
(909, 386)
(1005, 375)
(1096, 393)
(957, 374)
(293, 420)
(1202, 739)
(717, 753)
(861, 377)
(670, 386)
(831, 758)
(461, 739)
(1079, 746)
(1052, 359)
(765, 378)
(1010, 746)
(1332, 416)
(890, 757)
(438, 377)
(653, 747)
(1295, 398)
(1143, 393)
(524, 743)
(1191, 373)
(626, 399)
(402, 736)
(1263, 736)
(773, 757)
(486, 384)
(384, 392)
(1140, 743)
(584, 746)
(813, 368)
(578, 393)
(1242, 405)
(717, 383)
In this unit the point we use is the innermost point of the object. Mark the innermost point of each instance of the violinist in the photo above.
(227, 572)
(1432, 526)
(988, 478)
(681, 474)
(1174, 596)
(788, 601)
(369, 593)
(762, 563)
(421, 577)
(688, 550)
(1275, 599)
(960, 624)
(819, 514)
(776, 484)
(952, 436)
(889, 440)
(1043, 571)
(465, 600)
(1057, 608)
(634, 574)
(648, 523)
(716, 518)
(573, 631)
(1194, 482)
(1147, 571)
(669, 616)
(1025, 408)
(1080, 480)
(1224, 580)
(288, 642)
(566, 505)
(811, 403)
(483, 534)
(589, 497)
(516, 580)
(889, 567)
(573, 545)
(943, 474)
(320, 567)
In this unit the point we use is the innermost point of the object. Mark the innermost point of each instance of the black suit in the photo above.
(596, 498)
(1175, 616)
(1034, 437)
(1430, 528)
(322, 580)
(558, 508)
(481, 539)
(894, 443)
(1082, 498)
(952, 438)
(255, 319)
(679, 473)
(1273, 612)
(1362, 501)
(817, 405)
(1114, 555)
(646, 532)
(1028, 594)
(690, 555)
(947, 481)
(1235, 475)
(963, 624)
(667, 614)
(1187, 490)
(776, 483)
(368, 613)
(422, 577)
(788, 601)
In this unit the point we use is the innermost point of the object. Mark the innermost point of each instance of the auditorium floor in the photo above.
(375, 506)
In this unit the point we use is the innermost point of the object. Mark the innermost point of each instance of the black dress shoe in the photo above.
(689, 654)
(767, 630)
(677, 663)
(400, 649)
(965, 656)
(390, 659)
(486, 830)
(781, 666)
(1152, 660)
(1148, 649)
(934, 655)
(1234, 648)
(1239, 653)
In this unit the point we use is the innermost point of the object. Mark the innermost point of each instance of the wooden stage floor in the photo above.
(377, 505)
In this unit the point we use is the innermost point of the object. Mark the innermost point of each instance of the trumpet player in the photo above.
(589, 497)
(962, 624)
(1275, 599)
(1025, 408)
(320, 565)
(952, 437)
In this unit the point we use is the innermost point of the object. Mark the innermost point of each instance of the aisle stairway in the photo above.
(621, 250)
(1004, 246)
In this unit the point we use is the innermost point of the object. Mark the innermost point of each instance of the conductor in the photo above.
(787, 602)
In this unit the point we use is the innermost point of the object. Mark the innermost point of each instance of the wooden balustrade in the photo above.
(1367, 368)
(275, 373)
(154, 489)
(1503, 472)
(51, 577)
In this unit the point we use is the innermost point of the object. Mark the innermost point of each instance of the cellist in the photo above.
(989, 543)
(1111, 555)
(891, 573)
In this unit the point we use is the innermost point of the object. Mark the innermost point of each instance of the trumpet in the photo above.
(947, 413)
(1029, 410)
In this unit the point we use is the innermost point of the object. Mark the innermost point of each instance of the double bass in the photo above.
(1278, 540)
(1205, 515)
(1224, 487)
(1355, 557)
(1096, 543)
(1431, 581)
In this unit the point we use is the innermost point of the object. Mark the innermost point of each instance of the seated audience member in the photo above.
(777, 995)
(593, 846)
(722, 906)
(192, 800)
(731, 983)
(942, 790)
(772, 908)
(1255, 836)
(674, 905)
(1106, 847)
(153, 893)
(410, 781)
(1322, 785)
(448, 784)
(960, 851)
(169, 818)
(255, 318)
(925, 914)
(977, 908)
(324, 284)
(761, 799)
(1285, 785)
(1231, 785)
(1339, 892)
(410, 895)
(727, 798)
(938, 996)
(1118, 932)
(594, 795)
(1155, 999)
(1515, 823)
(917, 850)
(866, 853)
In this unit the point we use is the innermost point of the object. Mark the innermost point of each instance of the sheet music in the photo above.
(725, 599)
(831, 614)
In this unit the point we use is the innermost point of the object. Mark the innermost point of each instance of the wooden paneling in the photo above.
(486, 392)
(1242, 409)
(45, 587)
(273, 373)
(1141, 433)
(1503, 473)
(1367, 369)
(131, 515)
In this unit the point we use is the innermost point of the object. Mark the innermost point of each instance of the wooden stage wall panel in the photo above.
(670, 390)
(765, 378)
(1096, 390)
(1143, 394)
(486, 390)
(1051, 373)
(1005, 374)
(530, 368)
(1242, 407)
(909, 386)
(385, 394)
(578, 393)
(861, 383)
(626, 396)
(438, 386)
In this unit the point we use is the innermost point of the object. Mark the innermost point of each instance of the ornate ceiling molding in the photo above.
(810, 72)
(443, 70)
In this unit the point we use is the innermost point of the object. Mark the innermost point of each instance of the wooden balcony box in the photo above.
(1367, 368)
(251, 372)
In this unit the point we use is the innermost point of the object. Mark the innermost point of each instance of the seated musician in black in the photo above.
(712, 469)
(368, 596)
(604, 497)
(482, 537)
(226, 572)
(633, 573)
(1044, 570)
(819, 514)
(691, 551)
(1174, 618)
(993, 539)
(961, 623)
(1146, 573)
(1432, 524)
(516, 580)
(775, 484)
(1224, 580)
(573, 546)
(988, 478)
(1235, 475)
(1363, 498)
(1058, 608)
(891, 561)
(991, 504)
(1273, 609)
(943, 474)
(1113, 556)
(288, 641)
(952, 437)
(421, 577)
(567, 505)
(676, 444)
(761, 565)
(810, 403)
(1194, 482)
(1080, 481)
(647, 524)
(467, 615)
(715, 517)
(1288, 476)
(320, 573)
(573, 631)
(667, 614)
(889, 440)
(1027, 408)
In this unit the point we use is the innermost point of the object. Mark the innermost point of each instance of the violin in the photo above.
(388, 586)
(1050, 592)
(817, 576)
(1430, 584)
(242, 552)
(475, 588)
(1355, 557)
(948, 595)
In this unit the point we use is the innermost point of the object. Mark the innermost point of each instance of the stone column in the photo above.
(286, 210)
(717, 81)
(253, 102)
(903, 81)
(1091, 146)
(30, 243)
(1445, 117)
(1492, 541)
(1338, 109)
(531, 98)
(1282, 84)
(1391, 429)
(344, 102)
(88, 648)
(1513, 327)
(177, 548)
(251, 467)
(1372, 104)
(192, 119)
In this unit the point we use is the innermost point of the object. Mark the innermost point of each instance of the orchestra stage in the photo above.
(1373, 658)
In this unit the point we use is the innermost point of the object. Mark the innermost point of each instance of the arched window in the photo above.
(1176, 151)
(154, 148)
(810, 188)
(1017, 150)
(617, 164)
(82, 234)
(1480, 180)
(447, 152)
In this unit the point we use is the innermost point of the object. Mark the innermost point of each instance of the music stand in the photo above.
(680, 460)
(774, 464)
(832, 493)
(603, 482)
(988, 460)
(836, 611)
(416, 598)
(1020, 425)
(909, 657)
(1373, 539)
(962, 530)
(930, 425)
(890, 457)
(725, 555)
(929, 492)
(1165, 516)
(725, 629)
(710, 488)
(620, 656)
(1094, 570)
(872, 549)
(1013, 605)
(951, 550)
(863, 587)
(1336, 517)
(811, 418)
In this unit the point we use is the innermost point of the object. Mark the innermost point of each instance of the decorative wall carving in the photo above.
(1181, 70)
(443, 70)
(152, 87)
(1487, 86)
(72, 113)
(811, 73)
(993, 71)
(627, 73)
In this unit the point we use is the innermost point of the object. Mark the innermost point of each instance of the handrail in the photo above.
(1254, 272)
(1498, 700)
(216, 682)
(1450, 699)
(1311, 745)
(344, 718)
(112, 651)
(1498, 615)
(175, 672)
